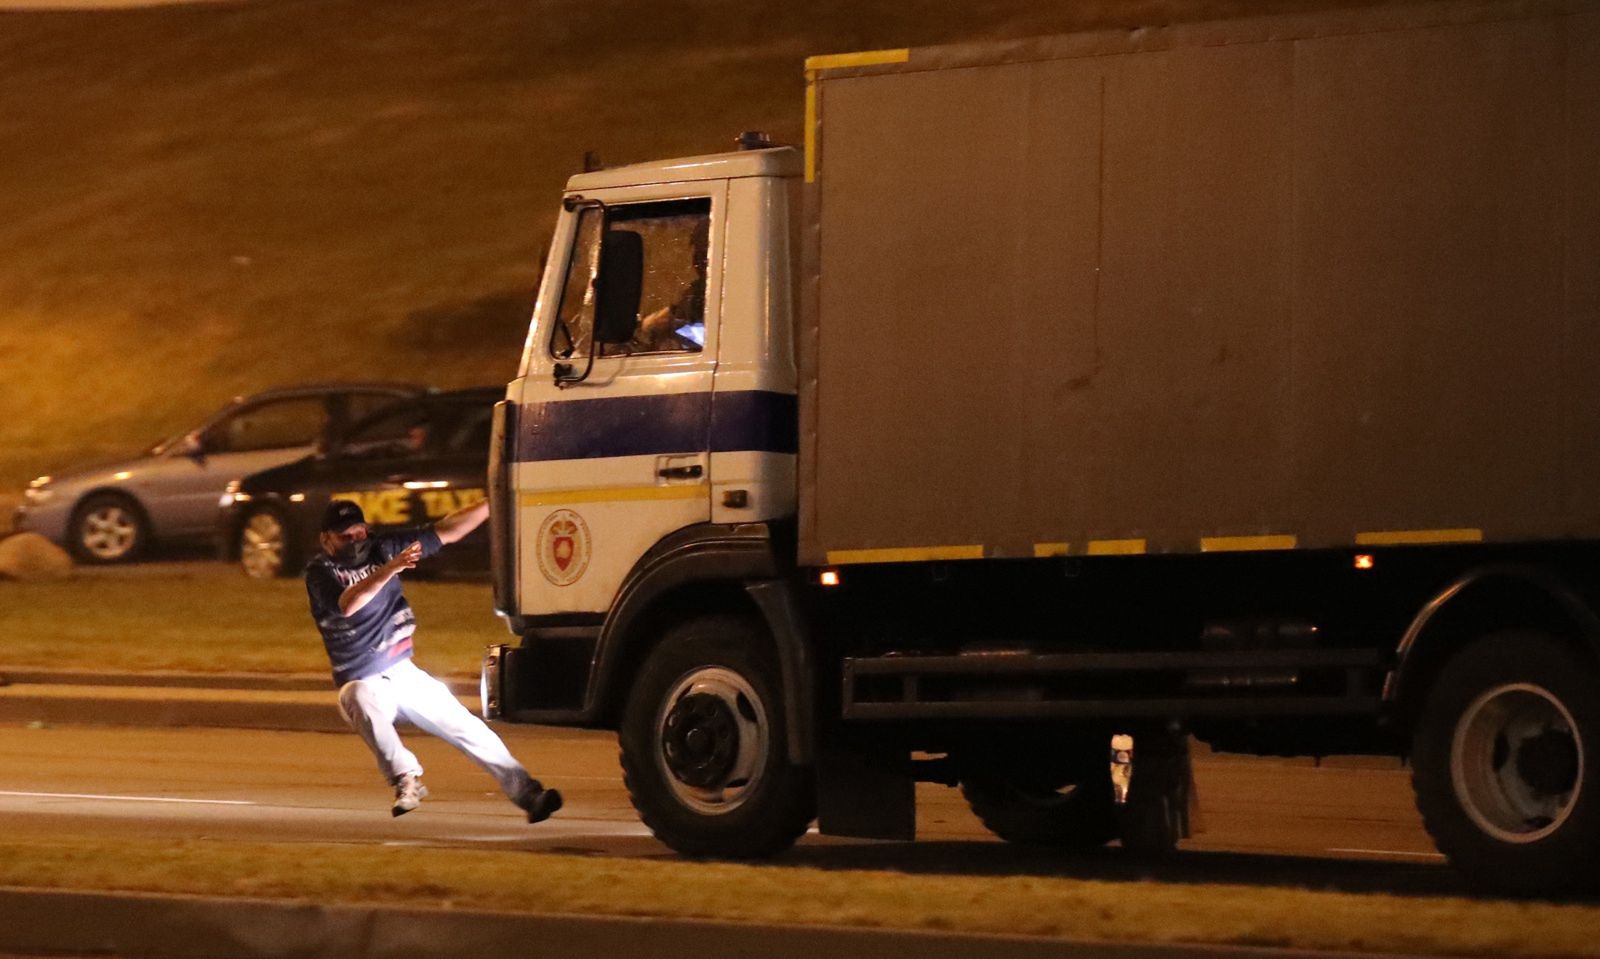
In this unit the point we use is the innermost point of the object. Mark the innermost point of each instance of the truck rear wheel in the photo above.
(1507, 764)
(703, 744)
(1037, 810)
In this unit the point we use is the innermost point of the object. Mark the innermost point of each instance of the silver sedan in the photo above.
(111, 513)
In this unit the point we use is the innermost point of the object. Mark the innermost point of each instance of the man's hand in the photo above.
(404, 560)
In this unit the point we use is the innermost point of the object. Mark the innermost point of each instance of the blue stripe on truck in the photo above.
(745, 420)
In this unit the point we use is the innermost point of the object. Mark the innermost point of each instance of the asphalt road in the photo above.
(1346, 824)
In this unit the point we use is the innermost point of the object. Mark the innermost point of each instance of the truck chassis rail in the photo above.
(1220, 683)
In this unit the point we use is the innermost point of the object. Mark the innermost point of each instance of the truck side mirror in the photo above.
(618, 286)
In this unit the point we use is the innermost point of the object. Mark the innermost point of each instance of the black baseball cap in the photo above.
(340, 515)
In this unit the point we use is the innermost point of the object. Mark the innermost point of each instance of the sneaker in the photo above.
(408, 794)
(538, 802)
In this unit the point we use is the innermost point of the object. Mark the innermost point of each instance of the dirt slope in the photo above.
(202, 200)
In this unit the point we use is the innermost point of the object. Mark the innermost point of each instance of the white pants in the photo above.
(404, 691)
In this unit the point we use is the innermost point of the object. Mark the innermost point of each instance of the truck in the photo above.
(1063, 402)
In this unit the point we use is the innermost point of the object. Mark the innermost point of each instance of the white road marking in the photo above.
(197, 802)
(1391, 852)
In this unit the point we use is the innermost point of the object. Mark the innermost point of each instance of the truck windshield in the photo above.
(672, 306)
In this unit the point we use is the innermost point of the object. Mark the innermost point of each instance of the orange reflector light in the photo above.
(829, 577)
(1363, 561)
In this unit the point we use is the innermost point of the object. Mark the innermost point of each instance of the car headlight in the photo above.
(231, 495)
(39, 492)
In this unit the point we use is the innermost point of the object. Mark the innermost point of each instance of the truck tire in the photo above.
(702, 738)
(1506, 764)
(1076, 816)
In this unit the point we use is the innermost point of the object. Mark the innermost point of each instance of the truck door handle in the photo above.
(681, 472)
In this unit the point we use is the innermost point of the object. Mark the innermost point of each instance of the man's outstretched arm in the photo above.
(362, 591)
(463, 521)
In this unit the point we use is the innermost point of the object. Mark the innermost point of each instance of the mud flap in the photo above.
(865, 792)
(1160, 802)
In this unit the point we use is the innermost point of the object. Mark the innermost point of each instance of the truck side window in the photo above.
(672, 307)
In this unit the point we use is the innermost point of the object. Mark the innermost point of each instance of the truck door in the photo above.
(609, 445)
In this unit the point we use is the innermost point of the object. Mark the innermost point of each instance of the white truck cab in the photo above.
(687, 416)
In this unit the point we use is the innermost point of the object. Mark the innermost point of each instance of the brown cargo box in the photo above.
(1305, 281)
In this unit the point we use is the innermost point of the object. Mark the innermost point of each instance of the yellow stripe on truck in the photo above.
(831, 61)
(865, 58)
(910, 554)
(1116, 547)
(611, 494)
(1042, 550)
(1419, 537)
(811, 127)
(1244, 544)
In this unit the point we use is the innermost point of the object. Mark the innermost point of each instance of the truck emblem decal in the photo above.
(563, 545)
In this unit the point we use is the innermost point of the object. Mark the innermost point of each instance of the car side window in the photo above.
(359, 406)
(469, 434)
(279, 424)
(402, 431)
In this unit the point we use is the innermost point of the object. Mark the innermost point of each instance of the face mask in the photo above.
(354, 553)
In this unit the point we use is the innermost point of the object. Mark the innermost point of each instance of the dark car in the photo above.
(110, 513)
(409, 464)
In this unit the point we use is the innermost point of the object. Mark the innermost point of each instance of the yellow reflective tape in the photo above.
(1418, 537)
(912, 554)
(811, 128)
(1116, 547)
(866, 58)
(1042, 550)
(1241, 544)
(612, 494)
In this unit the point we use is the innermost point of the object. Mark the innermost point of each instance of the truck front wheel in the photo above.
(703, 737)
(1507, 764)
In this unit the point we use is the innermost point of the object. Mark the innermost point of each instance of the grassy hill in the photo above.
(200, 201)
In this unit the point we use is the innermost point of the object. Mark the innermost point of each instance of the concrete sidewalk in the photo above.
(302, 702)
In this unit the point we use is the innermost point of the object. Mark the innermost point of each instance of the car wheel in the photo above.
(107, 528)
(264, 549)
(702, 737)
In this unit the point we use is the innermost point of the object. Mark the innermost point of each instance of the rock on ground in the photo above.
(28, 556)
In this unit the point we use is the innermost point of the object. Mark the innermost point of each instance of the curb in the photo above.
(294, 702)
(109, 709)
(277, 682)
(196, 927)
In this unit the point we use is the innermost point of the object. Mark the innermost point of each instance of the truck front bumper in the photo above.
(489, 681)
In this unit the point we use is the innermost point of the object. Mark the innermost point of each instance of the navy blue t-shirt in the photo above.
(377, 635)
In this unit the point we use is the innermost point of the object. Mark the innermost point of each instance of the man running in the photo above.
(367, 627)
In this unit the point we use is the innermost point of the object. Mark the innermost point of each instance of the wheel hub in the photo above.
(1548, 762)
(713, 739)
(1516, 762)
(700, 740)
